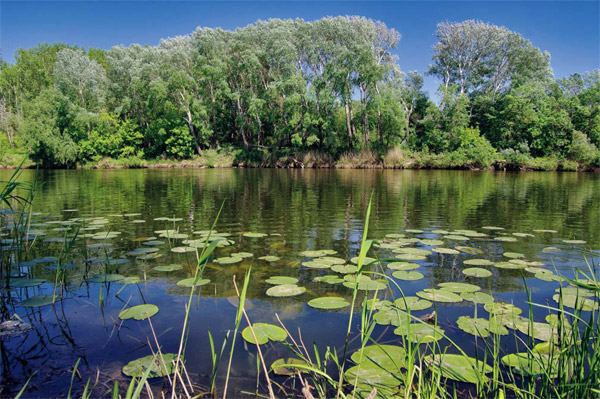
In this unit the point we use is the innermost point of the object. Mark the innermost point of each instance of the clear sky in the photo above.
(569, 30)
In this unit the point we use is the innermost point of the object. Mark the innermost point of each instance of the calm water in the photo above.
(299, 210)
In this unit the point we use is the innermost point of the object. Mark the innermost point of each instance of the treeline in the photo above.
(287, 87)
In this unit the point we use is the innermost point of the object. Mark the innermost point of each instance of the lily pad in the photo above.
(189, 282)
(254, 235)
(531, 364)
(477, 272)
(328, 302)
(410, 257)
(264, 332)
(317, 253)
(228, 260)
(344, 269)
(286, 290)
(280, 280)
(385, 357)
(38, 301)
(168, 268)
(470, 250)
(446, 251)
(279, 369)
(408, 275)
(478, 262)
(403, 266)
(474, 326)
(573, 242)
(139, 312)
(505, 239)
(26, 282)
(329, 279)
(477, 297)
(317, 264)
(420, 333)
(270, 258)
(459, 287)
(572, 301)
(364, 283)
(513, 255)
(459, 367)
(159, 366)
(431, 242)
(436, 295)
(242, 255)
(367, 260)
(412, 303)
(456, 237)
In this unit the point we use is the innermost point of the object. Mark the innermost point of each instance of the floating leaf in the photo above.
(168, 268)
(280, 280)
(285, 290)
(532, 364)
(572, 301)
(474, 326)
(403, 266)
(139, 312)
(254, 235)
(550, 249)
(317, 264)
(456, 237)
(505, 239)
(364, 283)
(279, 369)
(492, 228)
(159, 365)
(180, 250)
(318, 253)
(328, 302)
(477, 297)
(241, 255)
(459, 367)
(477, 272)
(270, 258)
(470, 250)
(439, 295)
(189, 282)
(344, 269)
(574, 242)
(412, 303)
(478, 262)
(38, 301)
(420, 333)
(410, 257)
(365, 262)
(513, 255)
(264, 332)
(407, 276)
(459, 287)
(26, 282)
(446, 251)
(385, 357)
(431, 243)
(228, 260)
(329, 279)
(412, 251)
(502, 308)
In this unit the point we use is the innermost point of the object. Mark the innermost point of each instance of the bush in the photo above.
(179, 143)
(582, 150)
(476, 148)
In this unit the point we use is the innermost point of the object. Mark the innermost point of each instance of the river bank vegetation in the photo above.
(291, 93)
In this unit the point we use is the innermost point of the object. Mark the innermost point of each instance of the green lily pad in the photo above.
(505, 239)
(459, 287)
(513, 255)
(26, 282)
(432, 243)
(575, 291)
(329, 279)
(502, 308)
(254, 235)
(37, 301)
(364, 283)
(456, 237)
(264, 332)
(139, 312)
(344, 269)
(403, 266)
(470, 250)
(550, 249)
(391, 315)
(372, 376)
(445, 251)
(410, 257)
(189, 282)
(385, 357)
(286, 290)
(478, 262)
(492, 228)
(279, 369)
(459, 367)
(412, 303)
(477, 272)
(333, 260)
(242, 255)
(328, 302)
(412, 251)
(159, 366)
(477, 297)
(572, 301)
(168, 268)
(407, 275)
(280, 280)
(228, 260)
(181, 250)
(531, 364)
(317, 264)
(545, 231)
(474, 326)
(509, 265)
(270, 258)
(420, 333)
(367, 260)
(317, 253)
(574, 242)
(436, 295)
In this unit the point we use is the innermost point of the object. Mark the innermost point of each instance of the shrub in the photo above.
(179, 143)
(582, 150)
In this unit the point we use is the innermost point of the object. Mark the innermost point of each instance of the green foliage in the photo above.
(179, 143)
(277, 90)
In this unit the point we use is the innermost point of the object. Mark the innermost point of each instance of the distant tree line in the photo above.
(287, 86)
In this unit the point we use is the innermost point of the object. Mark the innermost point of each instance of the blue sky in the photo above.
(569, 30)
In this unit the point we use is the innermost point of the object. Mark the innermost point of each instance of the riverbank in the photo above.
(393, 159)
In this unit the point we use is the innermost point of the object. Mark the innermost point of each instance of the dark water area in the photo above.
(298, 210)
